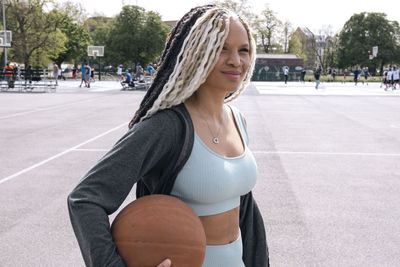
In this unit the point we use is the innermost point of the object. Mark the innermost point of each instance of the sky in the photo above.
(314, 14)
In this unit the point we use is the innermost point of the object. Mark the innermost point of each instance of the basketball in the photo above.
(156, 227)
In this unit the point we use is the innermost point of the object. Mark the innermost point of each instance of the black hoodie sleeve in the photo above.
(255, 249)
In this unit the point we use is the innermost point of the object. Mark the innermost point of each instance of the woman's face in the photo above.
(234, 60)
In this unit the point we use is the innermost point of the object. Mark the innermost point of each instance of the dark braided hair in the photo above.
(169, 59)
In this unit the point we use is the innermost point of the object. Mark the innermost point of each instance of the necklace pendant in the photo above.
(215, 140)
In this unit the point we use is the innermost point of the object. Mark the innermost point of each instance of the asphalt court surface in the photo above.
(329, 169)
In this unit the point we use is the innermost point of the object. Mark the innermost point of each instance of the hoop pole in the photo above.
(5, 33)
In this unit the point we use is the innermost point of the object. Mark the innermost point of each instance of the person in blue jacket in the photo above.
(186, 141)
(127, 80)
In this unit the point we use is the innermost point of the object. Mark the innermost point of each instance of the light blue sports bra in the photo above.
(210, 183)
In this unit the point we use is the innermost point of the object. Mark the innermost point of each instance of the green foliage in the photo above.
(42, 56)
(76, 44)
(35, 32)
(153, 38)
(340, 78)
(77, 40)
(100, 29)
(136, 36)
(267, 26)
(94, 23)
(295, 47)
(363, 31)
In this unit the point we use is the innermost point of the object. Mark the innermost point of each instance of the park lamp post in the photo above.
(5, 33)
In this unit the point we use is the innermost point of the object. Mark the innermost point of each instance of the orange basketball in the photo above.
(156, 227)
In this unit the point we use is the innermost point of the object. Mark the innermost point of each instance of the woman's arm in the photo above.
(106, 185)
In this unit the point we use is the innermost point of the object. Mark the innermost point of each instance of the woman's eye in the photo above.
(244, 50)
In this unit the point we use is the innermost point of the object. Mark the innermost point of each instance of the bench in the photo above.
(25, 86)
(142, 85)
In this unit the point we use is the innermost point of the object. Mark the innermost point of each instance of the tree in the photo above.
(294, 47)
(75, 11)
(78, 39)
(36, 33)
(100, 28)
(287, 31)
(137, 36)
(325, 48)
(363, 31)
(153, 37)
(267, 26)
(240, 7)
(96, 22)
(332, 50)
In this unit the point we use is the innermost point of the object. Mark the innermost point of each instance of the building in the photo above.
(171, 23)
(311, 45)
(270, 67)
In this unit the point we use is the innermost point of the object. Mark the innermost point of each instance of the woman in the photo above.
(182, 125)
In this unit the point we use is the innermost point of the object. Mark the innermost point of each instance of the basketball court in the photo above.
(329, 176)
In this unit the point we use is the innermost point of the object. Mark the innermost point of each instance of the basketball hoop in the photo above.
(95, 51)
(5, 38)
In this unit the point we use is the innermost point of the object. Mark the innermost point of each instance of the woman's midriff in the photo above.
(222, 228)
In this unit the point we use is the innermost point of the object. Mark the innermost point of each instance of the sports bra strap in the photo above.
(240, 123)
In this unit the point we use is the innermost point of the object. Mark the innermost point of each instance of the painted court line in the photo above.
(328, 153)
(59, 155)
(45, 109)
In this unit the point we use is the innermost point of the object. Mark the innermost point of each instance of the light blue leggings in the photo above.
(225, 255)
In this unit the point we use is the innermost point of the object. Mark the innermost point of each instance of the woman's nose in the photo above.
(234, 59)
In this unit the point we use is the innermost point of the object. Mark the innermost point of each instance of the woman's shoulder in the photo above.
(168, 120)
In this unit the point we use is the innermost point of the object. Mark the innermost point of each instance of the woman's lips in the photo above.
(232, 75)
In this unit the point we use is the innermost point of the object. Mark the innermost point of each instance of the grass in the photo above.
(310, 77)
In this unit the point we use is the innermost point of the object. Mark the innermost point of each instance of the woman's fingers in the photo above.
(165, 263)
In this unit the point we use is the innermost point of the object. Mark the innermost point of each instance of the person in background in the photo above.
(317, 76)
(366, 74)
(74, 70)
(18, 72)
(92, 74)
(355, 72)
(9, 75)
(119, 73)
(395, 77)
(303, 75)
(88, 72)
(286, 74)
(83, 74)
(384, 78)
(150, 70)
(185, 122)
(28, 76)
(138, 72)
(128, 80)
(55, 72)
(329, 75)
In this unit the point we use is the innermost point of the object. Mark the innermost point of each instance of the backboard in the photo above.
(375, 51)
(95, 51)
(5, 39)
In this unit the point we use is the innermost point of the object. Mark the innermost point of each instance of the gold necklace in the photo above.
(215, 138)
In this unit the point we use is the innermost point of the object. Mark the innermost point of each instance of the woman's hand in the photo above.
(165, 263)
